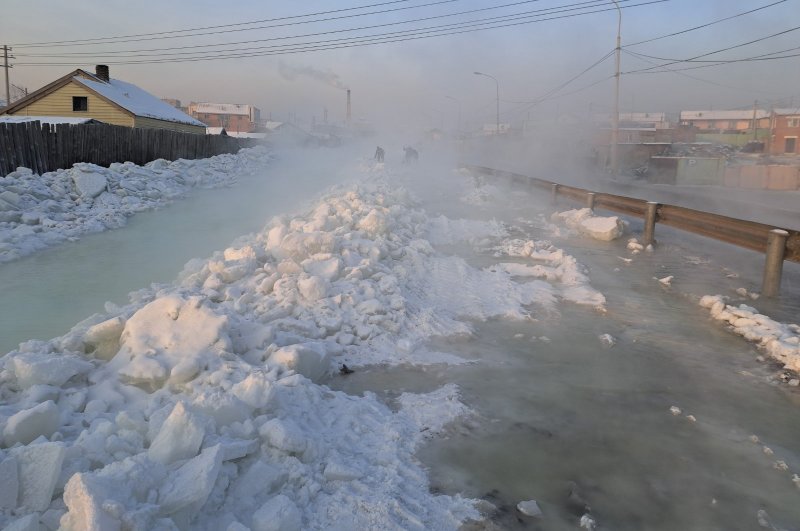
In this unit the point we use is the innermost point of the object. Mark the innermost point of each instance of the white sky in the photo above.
(408, 81)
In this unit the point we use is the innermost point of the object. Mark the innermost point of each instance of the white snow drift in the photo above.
(37, 211)
(201, 406)
(585, 222)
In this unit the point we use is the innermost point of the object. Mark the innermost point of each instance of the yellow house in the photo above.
(97, 96)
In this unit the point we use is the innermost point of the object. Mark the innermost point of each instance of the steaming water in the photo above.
(47, 293)
(562, 411)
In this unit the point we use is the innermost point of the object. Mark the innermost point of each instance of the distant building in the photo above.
(635, 120)
(234, 117)
(175, 103)
(81, 94)
(725, 121)
(785, 130)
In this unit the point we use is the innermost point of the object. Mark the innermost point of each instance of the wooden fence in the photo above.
(48, 147)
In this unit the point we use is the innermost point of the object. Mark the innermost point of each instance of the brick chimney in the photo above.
(101, 71)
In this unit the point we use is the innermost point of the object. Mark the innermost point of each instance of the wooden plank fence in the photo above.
(48, 147)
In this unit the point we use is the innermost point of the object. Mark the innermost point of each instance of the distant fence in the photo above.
(777, 243)
(48, 147)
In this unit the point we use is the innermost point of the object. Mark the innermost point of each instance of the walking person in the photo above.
(379, 153)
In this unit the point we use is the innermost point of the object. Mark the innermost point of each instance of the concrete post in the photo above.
(650, 223)
(590, 200)
(773, 266)
(554, 194)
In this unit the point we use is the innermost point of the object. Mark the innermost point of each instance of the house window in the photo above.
(790, 145)
(793, 122)
(80, 103)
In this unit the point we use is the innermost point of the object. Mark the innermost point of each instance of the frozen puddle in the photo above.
(199, 405)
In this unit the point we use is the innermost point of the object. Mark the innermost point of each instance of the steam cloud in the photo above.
(291, 73)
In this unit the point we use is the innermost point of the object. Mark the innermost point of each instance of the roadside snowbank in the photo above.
(202, 405)
(37, 211)
(780, 340)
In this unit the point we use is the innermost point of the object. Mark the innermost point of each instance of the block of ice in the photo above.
(84, 496)
(89, 184)
(39, 469)
(28, 424)
(32, 368)
(312, 363)
(180, 436)
(278, 514)
(283, 435)
(529, 508)
(103, 338)
(26, 523)
(191, 484)
(9, 484)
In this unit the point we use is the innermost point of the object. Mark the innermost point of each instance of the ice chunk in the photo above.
(256, 390)
(313, 288)
(39, 468)
(607, 340)
(308, 361)
(32, 368)
(529, 508)
(283, 435)
(89, 184)
(26, 523)
(236, 526)
(191, 484)
(9, 484)
(675, 410)
(28, 424)
(103, 338)
(84, 497)
(340, 472)
(278, 514)
(180, 436)
(260, 477)
(221, 406)
(600, 228)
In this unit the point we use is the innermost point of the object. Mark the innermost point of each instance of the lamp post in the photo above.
(497, 83)
(459, 111)
(615, 117)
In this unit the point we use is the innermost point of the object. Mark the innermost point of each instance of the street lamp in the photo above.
(459, 111)
(497, 131)
(615, 117)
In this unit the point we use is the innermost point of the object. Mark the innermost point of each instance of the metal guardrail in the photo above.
(777, 243)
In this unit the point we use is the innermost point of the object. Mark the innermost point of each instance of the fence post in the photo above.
(650, 214)
(554, 193)
(590, 200)
(773, 265)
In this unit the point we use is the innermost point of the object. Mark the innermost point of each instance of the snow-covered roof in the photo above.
(222, 108)
(13, 119)
(787, 111)
(723, 115)
(138, 101)
(273, 125)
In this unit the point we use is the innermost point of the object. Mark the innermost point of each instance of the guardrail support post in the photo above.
(773, 266)
(590, 200)
(554, 194)
(650, 214)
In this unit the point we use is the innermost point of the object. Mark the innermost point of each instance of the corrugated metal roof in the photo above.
(138, 101)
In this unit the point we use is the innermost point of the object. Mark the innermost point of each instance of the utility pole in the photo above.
(615, 116)
(755, 122)
(6, 66)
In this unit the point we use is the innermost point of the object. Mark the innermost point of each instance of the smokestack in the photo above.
(348, 105)
(101, 71)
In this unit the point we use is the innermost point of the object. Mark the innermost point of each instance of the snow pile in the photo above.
(443, 230)
(585, 222)
(553, 265)
(37, 211)
(781, 341)
(199, 405)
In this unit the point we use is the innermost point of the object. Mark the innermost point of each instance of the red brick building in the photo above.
(234, 117)
(785, 125)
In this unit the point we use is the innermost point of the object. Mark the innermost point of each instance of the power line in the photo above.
(354, 42)
(707, 24)
(164, 34)
(555, 9)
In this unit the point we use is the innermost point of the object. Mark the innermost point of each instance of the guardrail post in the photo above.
(650, 214)
(773, 266)
(590, 200)
(554, 194)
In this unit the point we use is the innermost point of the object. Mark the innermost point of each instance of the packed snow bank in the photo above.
(585, 222)
(200, 405)
(781, 341)
(37, 211)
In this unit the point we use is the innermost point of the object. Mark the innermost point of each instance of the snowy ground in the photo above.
(205, 404)
(37, 211)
